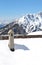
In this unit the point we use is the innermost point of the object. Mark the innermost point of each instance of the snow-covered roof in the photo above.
(36, 33)
(28, 51)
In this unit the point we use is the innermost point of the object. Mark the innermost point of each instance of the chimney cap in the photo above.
(10, 31)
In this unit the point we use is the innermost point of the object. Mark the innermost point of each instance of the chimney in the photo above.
(11, 40)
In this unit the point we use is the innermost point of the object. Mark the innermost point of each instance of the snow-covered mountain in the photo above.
(31, 22)
(25, 24)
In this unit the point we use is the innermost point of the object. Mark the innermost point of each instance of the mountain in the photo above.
(31, 22)
(25, 24)
(1, 25)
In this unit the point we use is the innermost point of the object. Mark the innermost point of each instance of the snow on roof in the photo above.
(36, 33)
(28, 51)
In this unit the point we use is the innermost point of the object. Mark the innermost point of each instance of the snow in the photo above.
(28, 51)
(29, 20)
(36, 33)
(21, 20)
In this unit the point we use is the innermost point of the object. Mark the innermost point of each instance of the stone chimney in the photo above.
(11, 40)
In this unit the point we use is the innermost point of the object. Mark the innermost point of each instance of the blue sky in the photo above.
(17, 8)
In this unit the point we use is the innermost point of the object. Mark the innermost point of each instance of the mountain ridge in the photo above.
(25, 24)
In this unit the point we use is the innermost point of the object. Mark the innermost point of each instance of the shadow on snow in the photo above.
(23, 47)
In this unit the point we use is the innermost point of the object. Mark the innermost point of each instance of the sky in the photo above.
(18, 8)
